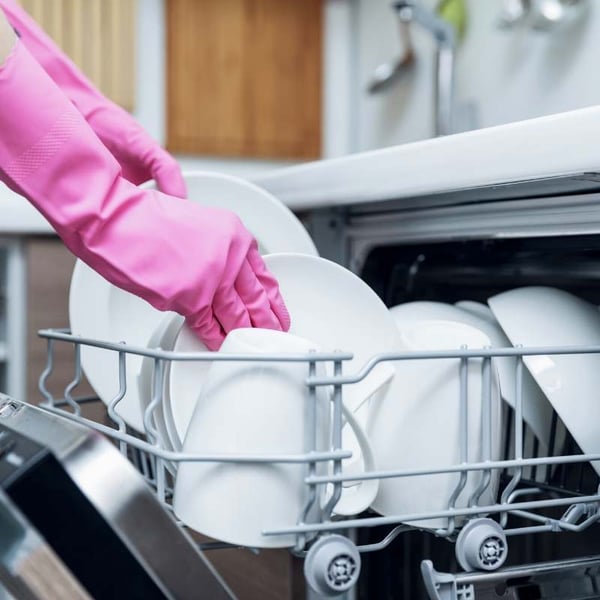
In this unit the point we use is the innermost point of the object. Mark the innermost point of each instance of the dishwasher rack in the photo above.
(332, 559)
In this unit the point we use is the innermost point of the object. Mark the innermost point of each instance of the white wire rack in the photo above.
(332, 565)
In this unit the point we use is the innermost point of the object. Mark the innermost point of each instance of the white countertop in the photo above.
(18, 216)
(558, 145)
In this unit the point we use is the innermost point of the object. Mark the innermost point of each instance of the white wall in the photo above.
(502, 76)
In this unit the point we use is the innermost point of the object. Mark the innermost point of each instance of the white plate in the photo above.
(537, 411)
(417, 424)
(477, 308)
(543, 316)
(163, 338)
(329, 305)
(99, 310)
(272, 223)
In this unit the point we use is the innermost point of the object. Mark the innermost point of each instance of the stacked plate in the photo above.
(99, 310)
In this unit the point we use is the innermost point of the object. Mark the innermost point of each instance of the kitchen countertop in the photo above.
(18, 216)
(560, 145)
(565, 145)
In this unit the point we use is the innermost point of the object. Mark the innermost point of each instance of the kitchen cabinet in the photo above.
(244, 77)
(99, 36)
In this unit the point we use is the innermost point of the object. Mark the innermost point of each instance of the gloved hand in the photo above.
(200, 262)
(140, 157)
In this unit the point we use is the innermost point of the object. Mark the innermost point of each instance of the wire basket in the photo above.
(554, 492)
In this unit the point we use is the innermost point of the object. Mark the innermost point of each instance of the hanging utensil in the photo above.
(387, 74)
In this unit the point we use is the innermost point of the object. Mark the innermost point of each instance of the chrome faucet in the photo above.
(445, 38)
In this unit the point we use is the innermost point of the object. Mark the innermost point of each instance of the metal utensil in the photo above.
(387, 74)
(445, 38)
(541, 15)
(547, 15)
(513, 13)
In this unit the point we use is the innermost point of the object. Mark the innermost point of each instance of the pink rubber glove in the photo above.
(140, 157)
(200, 262)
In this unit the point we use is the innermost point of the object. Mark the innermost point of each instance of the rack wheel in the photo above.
(332, 565)
(481, 545)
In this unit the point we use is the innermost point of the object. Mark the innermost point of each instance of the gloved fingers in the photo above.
(269, 284)
(245, 304)
(230, 310)
(265, 309)
(207, 328)
(255, 298)
(168, 177)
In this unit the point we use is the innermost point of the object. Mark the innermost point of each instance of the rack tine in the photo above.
(311, 418)
(336, 441)
(154, 436)
(112, 413)
(46, 373)
(518, 421)
(150, 411)
(75, 382)
(486, 429)
(463, 375)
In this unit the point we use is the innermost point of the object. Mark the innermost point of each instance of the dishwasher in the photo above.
(535, 539)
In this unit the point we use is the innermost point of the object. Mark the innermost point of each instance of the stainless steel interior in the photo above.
(93, 511)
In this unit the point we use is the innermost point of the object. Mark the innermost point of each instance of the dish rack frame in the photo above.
(332, 559)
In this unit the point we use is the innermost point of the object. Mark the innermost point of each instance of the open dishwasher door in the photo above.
(29, 568)
(95, 512)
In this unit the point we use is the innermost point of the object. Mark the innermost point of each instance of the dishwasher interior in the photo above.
(449, 260)
(475, 270)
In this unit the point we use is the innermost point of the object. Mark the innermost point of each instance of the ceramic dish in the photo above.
(163, 338)
(99, 310)
(537, 411)
(544, 316)
(477, 308)
(329, 305)
(259, 408)
(417, 424)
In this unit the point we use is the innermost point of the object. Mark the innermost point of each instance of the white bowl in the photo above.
(417, 424)
(477, 308)
(537, 411)
(260, 408)
(544, 316)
